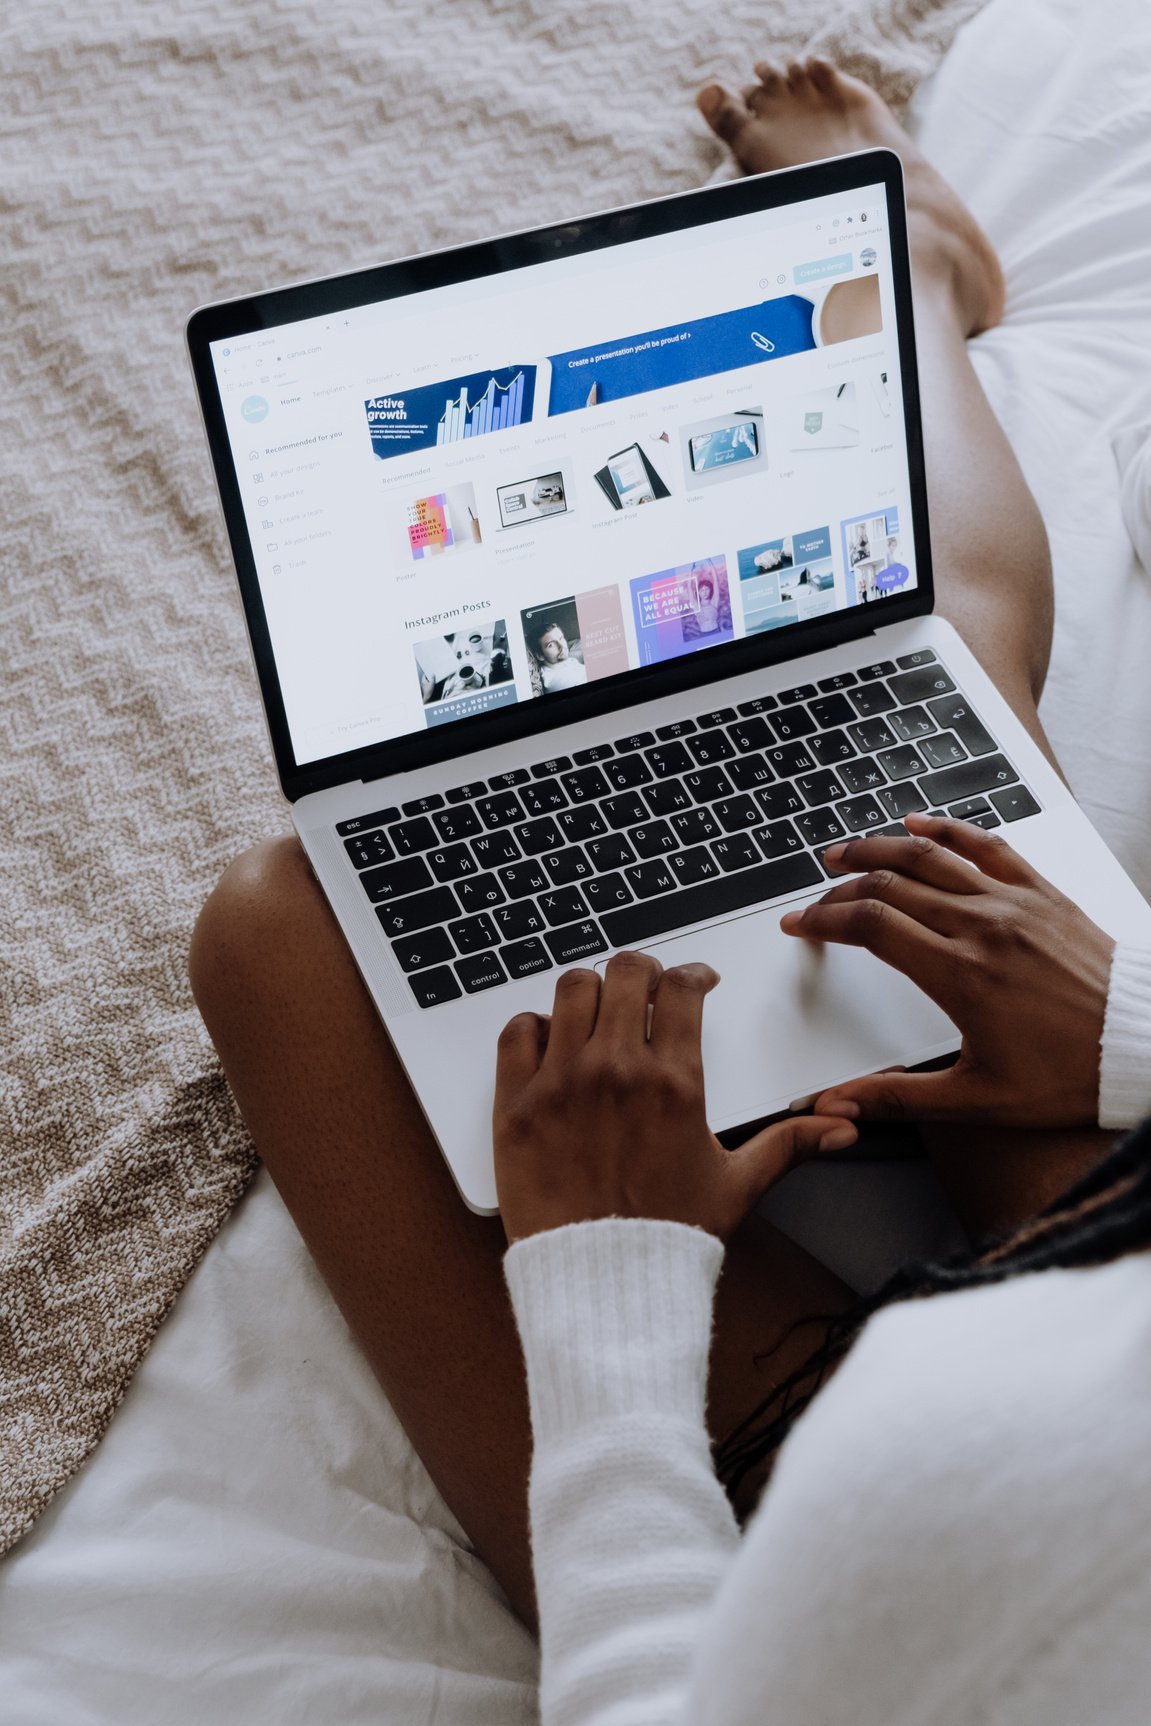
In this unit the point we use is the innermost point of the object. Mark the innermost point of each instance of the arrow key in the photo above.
(1015, 803)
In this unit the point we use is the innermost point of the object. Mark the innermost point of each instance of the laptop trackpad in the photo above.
(790, 1017)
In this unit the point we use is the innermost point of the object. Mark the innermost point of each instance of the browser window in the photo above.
(499, 491)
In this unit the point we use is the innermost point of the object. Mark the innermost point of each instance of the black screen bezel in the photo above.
(680, 211)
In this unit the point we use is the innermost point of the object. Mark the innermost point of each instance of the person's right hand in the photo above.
(1020, 970)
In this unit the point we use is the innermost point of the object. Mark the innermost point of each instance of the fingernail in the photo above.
(790, 921)
(710, 100)
(696, 968)
(838, 1106)
(834, 853)
(838, 1139)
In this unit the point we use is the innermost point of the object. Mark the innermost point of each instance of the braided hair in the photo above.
(1102, 1217)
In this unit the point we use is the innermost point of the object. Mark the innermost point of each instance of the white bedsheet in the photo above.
(1041, 117)
(254, 1540)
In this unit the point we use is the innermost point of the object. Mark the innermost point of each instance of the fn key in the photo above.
(432, 987)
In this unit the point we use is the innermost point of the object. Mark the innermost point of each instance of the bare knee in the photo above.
(250, 915)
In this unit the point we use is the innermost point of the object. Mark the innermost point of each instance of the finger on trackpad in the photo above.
(791, 1017)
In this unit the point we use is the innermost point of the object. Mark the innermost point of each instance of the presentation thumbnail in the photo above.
(680, 610)
(530, 499)
(465, 673)
(443, 521)
(707, 347)
(679, 353)
(574, 640)
(871, 554)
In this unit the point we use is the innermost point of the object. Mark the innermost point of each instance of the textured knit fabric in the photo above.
(1125, 1066)
(957, 1533)
(632, 1532)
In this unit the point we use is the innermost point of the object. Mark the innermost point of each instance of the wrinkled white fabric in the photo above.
(1132, 446)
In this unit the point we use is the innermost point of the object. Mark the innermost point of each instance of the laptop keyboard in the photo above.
(545, 866)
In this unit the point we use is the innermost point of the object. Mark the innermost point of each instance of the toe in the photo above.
(796, 77)
(727, 115)
(763, 100)
(822, 75)
(769, 74)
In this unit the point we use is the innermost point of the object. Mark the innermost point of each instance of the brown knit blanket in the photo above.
(160, 153)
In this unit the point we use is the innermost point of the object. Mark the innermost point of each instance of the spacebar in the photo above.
(710, 899)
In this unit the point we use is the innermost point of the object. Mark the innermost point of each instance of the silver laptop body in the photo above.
(568, 641)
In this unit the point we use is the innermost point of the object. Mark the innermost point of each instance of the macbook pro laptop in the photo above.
(508, 752)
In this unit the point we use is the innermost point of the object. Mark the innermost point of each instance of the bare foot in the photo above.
(811, 111)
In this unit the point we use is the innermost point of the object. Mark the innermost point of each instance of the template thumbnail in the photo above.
(530, 499)
(574, 640)
(871, 554)
(786, 580)
(680, 610)
(698, 348)
(824, 418)
(465, 673)
(443, 521)
(723, 448)
(630, 477)
(448, 412)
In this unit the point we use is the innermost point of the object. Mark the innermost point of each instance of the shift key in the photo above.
(967, 779)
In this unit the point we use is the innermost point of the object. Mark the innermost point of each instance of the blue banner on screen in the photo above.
(699, 348)
(451, 411)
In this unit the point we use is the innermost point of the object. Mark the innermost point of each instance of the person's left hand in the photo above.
(596, 1117)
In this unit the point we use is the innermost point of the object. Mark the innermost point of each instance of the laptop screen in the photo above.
(505, 489)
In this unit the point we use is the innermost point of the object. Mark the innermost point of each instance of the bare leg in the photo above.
(990, 553)
(989, 545)
(992, 567)
(417, 1276)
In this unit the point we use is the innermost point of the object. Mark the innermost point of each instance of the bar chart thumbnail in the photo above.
(500, 406)
(463, 407)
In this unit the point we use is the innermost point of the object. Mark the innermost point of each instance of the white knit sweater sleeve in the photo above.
(1125, 1060)
(631, 1532)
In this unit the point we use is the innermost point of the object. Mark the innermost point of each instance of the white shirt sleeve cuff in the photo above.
(1125, 1058)
(615, 1319)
